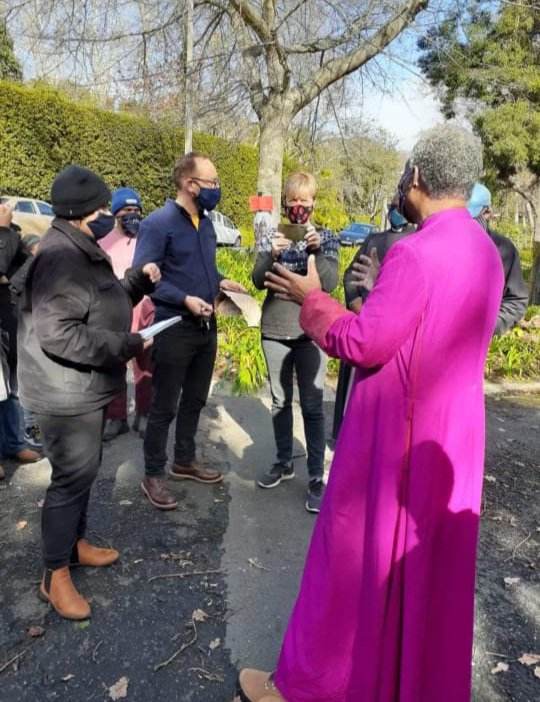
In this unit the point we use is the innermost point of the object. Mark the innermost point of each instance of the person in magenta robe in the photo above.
(385, 609)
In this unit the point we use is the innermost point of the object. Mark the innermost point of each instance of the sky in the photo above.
(406, 114)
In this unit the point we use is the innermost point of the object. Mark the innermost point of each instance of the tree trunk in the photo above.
(273, 125)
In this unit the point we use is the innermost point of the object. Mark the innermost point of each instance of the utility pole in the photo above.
(188, 95)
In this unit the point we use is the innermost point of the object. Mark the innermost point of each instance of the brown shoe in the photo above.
(58, 589)
(84, 554)
(2, 473)
(194, 471)
(26, 455)
(158, 493)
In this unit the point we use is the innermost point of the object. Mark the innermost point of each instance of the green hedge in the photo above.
(41, 132)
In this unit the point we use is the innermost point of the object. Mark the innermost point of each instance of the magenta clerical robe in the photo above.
(385, 609)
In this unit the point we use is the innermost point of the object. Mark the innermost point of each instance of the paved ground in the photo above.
(236, 552)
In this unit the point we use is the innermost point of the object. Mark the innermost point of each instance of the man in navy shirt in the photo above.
(180, 239)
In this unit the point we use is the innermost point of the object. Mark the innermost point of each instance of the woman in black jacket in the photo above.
(74, 337)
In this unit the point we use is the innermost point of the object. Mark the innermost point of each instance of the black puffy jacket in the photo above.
(74, 325)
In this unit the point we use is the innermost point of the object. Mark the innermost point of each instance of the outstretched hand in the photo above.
(291, 286)
(365, 272)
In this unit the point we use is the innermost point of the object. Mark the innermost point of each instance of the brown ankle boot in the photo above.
(58, 589)
(85, 554)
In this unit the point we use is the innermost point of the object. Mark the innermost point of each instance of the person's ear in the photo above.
(416, 177)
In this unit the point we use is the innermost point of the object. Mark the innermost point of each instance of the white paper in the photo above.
(154, 329)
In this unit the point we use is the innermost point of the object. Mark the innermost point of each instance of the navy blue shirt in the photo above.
(186, 257)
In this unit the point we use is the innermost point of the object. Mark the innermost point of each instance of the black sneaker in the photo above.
(32, 436)
(277, 473)
(315, 495)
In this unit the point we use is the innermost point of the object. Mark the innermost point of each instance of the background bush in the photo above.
(41, 132)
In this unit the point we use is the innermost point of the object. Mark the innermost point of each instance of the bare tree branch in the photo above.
(337, 68)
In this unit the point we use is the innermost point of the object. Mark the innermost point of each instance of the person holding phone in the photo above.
(74, 339)
(287, 349)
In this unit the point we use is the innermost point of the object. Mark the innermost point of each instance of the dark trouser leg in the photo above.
(11, 439)
(195, 392)
(173, 352)
(279, 361)
(310, 366)
(73, 447)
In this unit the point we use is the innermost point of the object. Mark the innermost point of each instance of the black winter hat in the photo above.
(77, 192)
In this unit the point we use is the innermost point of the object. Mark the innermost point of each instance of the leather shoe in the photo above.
(2, 473)
(26, 455)
(84, 554)
(193, 470)
(58, 589)
(158, 493)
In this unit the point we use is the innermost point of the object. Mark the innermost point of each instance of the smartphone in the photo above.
(293, 232)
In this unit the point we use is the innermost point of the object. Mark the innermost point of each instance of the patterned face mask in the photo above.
(131, 223)
(298, 214)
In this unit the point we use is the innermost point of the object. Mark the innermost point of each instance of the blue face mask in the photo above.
(208, 198)
(101, 225)
(397, 220)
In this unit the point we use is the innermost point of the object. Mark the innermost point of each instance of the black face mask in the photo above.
(130, 223)
(101, 225)
(402, 206)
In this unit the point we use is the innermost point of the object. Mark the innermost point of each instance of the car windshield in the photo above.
(359, 227)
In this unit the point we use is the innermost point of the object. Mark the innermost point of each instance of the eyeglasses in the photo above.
(213, 183)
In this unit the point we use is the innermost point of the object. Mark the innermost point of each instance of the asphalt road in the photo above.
(235, 552)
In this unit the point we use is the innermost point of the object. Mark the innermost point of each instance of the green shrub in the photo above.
(41, 132)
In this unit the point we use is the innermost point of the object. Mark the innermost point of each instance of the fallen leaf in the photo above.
(138, 560)
(83, 624)
(529, 659)
(490, 478)
(511, 581)
(125, 502)
(199, 615)
(40, 503)
(216, 643)
(499, 668)
(22, 525)
(68, 677)
(36, 631)
(119, 689)
(257, 564)
(537, 671)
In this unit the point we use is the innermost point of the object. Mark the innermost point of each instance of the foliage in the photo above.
(515, 354)
(10, 68)
(494, 63)
(41, 132)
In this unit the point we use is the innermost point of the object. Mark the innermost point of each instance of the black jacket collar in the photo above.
(89, 246)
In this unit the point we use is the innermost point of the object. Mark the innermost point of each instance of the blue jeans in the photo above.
(309, 362)
(11, 439)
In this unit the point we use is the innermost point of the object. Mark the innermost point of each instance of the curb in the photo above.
(511, 388)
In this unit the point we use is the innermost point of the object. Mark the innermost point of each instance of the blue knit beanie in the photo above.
(125, 197)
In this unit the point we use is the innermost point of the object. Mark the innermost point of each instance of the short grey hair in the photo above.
(449, 160)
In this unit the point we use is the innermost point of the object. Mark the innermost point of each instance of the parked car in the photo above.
(226, 233)
(32, 216)
(356, 233)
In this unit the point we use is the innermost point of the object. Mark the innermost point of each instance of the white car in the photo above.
(32, 216)
(226, 233)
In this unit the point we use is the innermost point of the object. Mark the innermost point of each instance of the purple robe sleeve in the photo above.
(389, 316)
